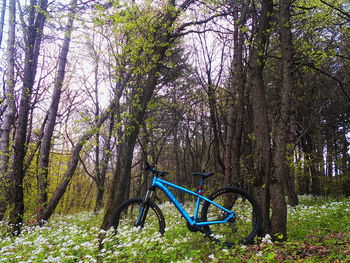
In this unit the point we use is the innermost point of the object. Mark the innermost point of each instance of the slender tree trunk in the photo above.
(2, 18)
(293, 199)
(10, 112)
(279, 179)
(291, 190)
(45, 149)
(262, 149)
(310, 181)
(37, 18)
(178, 177)
(214, 122)
(235, 114)
(106, 155)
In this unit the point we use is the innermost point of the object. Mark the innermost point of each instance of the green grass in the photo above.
(318, 231)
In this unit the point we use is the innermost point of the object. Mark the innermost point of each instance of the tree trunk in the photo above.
(121, 180)
(311, 174)
(45, 149)
(293, 199)
(235, 113)
(37, 18)
(262, 148)
(106, 154)
(10, 112)
(2, 18)
(178, 177)
(214, 123)
(278, 182)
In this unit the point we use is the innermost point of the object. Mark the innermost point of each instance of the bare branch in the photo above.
(185, 25)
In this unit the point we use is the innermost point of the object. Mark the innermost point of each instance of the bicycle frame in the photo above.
(163, 186)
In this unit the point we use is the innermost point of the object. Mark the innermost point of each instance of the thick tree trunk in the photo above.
(278, 182)
(121, 180)
(10, 112)
(45, 149)
(262, 150)
(37, 18)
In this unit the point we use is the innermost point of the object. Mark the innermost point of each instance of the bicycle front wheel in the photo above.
(243, 227)
(134, 214)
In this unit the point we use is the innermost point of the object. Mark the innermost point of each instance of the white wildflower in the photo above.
(259, 254)
(266, 239)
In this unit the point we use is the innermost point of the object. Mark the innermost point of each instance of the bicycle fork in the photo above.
(143, 211)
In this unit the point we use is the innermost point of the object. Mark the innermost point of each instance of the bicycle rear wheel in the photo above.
(127, 215)
(243, 227)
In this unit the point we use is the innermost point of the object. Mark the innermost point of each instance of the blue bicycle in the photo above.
(229, 215)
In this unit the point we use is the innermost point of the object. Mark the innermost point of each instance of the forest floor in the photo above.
(318, 231)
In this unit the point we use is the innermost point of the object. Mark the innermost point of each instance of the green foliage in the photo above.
(138, 30)
(318, 232)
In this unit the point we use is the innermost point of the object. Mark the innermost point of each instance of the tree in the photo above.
(235, 114)
(261, 128)
(2, 20)
(52, 114)
(74, 156)
(209, 66)
(279, 178)
(33, 36)
(9, 116)
(156, 35)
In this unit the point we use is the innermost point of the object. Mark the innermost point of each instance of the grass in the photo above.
(318, 231)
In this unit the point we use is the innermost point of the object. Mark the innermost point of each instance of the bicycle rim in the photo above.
(128, 217)
(243, 227)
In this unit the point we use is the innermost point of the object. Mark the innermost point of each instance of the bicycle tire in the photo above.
(127, 213)
(241, 229)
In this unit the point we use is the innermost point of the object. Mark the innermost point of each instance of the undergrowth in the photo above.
(318, 231)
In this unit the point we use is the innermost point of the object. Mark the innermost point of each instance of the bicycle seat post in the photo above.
(200, 189)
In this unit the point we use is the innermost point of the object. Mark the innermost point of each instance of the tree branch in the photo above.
(332, 77)
(183, 26)
(347, 15)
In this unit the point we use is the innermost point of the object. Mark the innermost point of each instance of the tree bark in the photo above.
(34, 30)
(101, 176)
(262, 148)
(121, 179)
(44, 156)
(2, 18)
(176, 144)
(279, 179)
(235, 113)
(9, 116)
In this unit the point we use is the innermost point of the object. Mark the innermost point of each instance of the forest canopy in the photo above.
(256, 91)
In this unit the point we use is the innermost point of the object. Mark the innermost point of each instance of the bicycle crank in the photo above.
(193, 228)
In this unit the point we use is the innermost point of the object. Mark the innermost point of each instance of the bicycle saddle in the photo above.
(202, 175)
